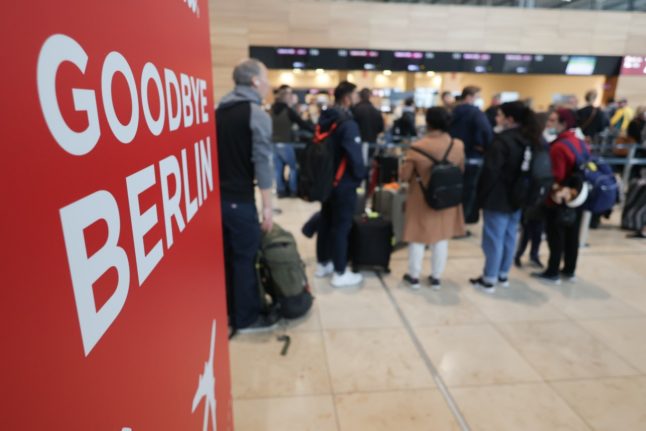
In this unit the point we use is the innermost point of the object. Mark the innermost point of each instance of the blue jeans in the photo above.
(241, 232)
(285, 155)
(335, 226)
(498, 243)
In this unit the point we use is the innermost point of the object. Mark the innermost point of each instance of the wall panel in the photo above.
(236, 24)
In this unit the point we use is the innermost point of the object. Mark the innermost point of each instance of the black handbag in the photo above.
(565, 216)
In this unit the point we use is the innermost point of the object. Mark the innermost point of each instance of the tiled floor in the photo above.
(531, 357)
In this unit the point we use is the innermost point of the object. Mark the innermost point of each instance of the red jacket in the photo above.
(563, 159)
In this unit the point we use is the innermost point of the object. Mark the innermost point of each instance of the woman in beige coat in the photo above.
(424, 225)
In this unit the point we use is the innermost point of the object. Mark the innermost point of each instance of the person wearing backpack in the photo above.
(532, 219)
(562, 238)
(337, 209)
(501, 173)
(423, 224)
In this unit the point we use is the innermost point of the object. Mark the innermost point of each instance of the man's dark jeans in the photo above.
(335, 226)
(470, 193)
(241, 232)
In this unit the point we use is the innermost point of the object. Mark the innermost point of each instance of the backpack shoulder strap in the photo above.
(592, 116)
(577, 155)
(448, 151)
(426, 154)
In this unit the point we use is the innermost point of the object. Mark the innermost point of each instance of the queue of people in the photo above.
(491, 168)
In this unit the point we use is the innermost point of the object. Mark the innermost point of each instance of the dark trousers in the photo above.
(335, 225)
(563, 242)
(532, 231)
(470, 193)
(241, 232)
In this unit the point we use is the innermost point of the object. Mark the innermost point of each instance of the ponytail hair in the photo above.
(526, 118)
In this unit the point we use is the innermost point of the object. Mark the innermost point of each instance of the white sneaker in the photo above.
(348, 278)
(323, 270)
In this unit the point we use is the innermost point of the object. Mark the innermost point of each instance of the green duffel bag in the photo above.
(282, 275)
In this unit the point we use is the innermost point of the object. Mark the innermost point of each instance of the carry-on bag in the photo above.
(391, 205)
(371, 243)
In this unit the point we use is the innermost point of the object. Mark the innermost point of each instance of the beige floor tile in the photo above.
(259, 371)
(474, 355)
(526, 407)
(356, 308)
(627, 337)
(563, 350)
(374, 360)
(427, 307)
(585, 300)
(520, 302)
(613, 272)
(314, 413)
(310, 322)
(608, 404)
(395, 411)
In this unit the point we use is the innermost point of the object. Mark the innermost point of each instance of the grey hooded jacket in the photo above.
(245, 148)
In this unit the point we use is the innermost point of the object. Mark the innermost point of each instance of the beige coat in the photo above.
(422, 223)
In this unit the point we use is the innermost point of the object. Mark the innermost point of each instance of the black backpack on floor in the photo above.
(444, 189)
(316, 176)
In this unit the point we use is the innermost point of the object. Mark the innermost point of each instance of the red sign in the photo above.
(113, 302)
(633, 65)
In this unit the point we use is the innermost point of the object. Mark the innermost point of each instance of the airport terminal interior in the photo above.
(323, 215)
(381, 355)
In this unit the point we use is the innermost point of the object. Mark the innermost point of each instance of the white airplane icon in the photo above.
(206, 388)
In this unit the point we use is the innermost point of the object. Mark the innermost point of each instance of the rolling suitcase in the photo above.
(633, 216)
(391, 204)
(371, 243)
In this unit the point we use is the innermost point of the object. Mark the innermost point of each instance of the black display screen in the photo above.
(477, 62)
(517, 63)
(360, 59)
(437, 61)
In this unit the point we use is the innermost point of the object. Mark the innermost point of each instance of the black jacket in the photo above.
(471, 126)
(370, 121)
(637, 129)
(283, 117)
(405, 125)
(595, 125)
(502, 162)
(347, 143)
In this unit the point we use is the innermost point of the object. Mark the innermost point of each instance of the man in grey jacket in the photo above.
(245, 152)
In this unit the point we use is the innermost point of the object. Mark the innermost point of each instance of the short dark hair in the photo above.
(343, 89)
(567, 117)
(591, 96)
(446, 93)
(409, 101)
(470, 90)
(524, 116)
(438, 118)
(365, 94)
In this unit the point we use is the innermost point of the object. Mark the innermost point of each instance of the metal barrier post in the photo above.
(630, 161)
(584, 230)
